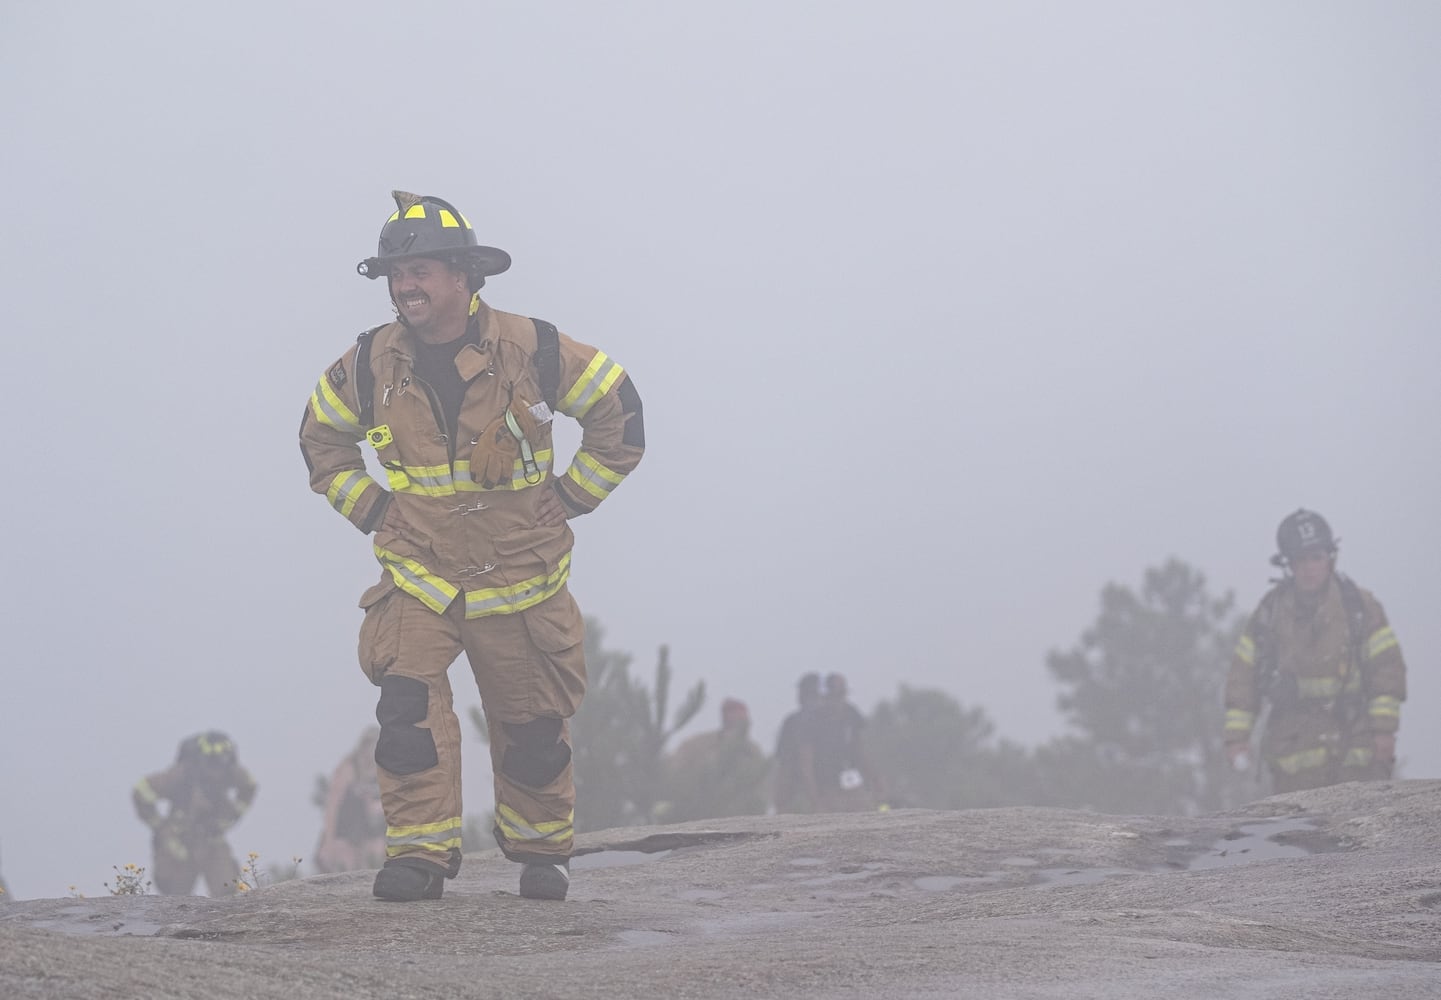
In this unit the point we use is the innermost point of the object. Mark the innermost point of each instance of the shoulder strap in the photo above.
(364, 377)
(547, 360)
(1265, 614)
(1355, 612)
(1263, 636)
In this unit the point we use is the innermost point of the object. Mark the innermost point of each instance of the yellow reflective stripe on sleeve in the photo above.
(1381, 640)
(346, 490)
(1246, 650)
(146, 793)
(518, 597)
(593, 383)
(1385, 707)
(516, 828)
(417, 581)
(442, 836)
(331, 410)
(1239, 720)
(593, 477)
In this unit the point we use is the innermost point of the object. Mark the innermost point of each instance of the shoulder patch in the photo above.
(337, 375)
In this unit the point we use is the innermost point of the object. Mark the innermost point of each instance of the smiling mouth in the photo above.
(414, 301)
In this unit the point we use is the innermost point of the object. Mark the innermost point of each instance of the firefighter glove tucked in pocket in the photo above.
(504, 440)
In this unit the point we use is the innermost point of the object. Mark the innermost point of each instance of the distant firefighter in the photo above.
(353, 835)
(718, 773)
(793, 790)
(207, 791)
(834, 754)
(1319, 651)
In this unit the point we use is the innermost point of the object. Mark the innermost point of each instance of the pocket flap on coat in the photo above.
(376, 593)
(555, 625)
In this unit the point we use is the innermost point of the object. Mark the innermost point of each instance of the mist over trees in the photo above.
(1140, 690)
(1143, 689)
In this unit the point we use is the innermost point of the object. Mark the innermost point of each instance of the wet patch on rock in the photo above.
(1268, 840)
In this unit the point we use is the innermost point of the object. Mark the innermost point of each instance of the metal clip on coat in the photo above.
(527, 454)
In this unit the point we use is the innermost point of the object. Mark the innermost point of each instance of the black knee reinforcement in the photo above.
(403, 747)
(536, 755)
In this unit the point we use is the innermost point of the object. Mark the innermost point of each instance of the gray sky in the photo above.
(944, 316)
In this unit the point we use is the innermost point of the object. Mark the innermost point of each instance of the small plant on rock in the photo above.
(129, 881)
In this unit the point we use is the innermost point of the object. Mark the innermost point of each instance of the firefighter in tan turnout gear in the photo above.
(456, 400)
(1319, 652)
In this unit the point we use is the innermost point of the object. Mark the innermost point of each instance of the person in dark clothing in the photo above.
(794, 788)
(835, 754)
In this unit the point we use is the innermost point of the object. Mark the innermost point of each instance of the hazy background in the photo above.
(944, 315)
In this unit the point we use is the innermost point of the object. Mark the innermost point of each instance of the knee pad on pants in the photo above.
(536, 755)
(403, 747)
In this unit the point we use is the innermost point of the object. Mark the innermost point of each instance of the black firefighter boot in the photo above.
(545, 881)
(404, 880)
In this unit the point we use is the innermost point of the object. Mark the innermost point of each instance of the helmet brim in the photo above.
(490, 260)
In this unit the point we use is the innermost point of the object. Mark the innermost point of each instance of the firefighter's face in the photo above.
(1312, 570)
(430, 295)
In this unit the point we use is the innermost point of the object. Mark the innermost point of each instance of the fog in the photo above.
(944, 316)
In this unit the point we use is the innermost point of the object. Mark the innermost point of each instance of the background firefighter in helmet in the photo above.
(352, 835)
(1319, 651)
(718, 773)
(471, 533)
(206, 791)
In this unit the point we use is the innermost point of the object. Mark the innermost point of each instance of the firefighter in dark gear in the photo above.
(1319, 652)
(208, 791)
(471, 531)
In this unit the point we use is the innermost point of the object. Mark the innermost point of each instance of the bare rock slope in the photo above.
(1329, 893)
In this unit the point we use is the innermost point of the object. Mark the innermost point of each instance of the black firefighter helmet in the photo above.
(211, 748)
(1301, 531)
(427, 226)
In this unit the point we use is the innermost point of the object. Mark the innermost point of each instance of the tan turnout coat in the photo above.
(1327, 703)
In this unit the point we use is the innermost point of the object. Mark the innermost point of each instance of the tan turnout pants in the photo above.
(529, 667)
